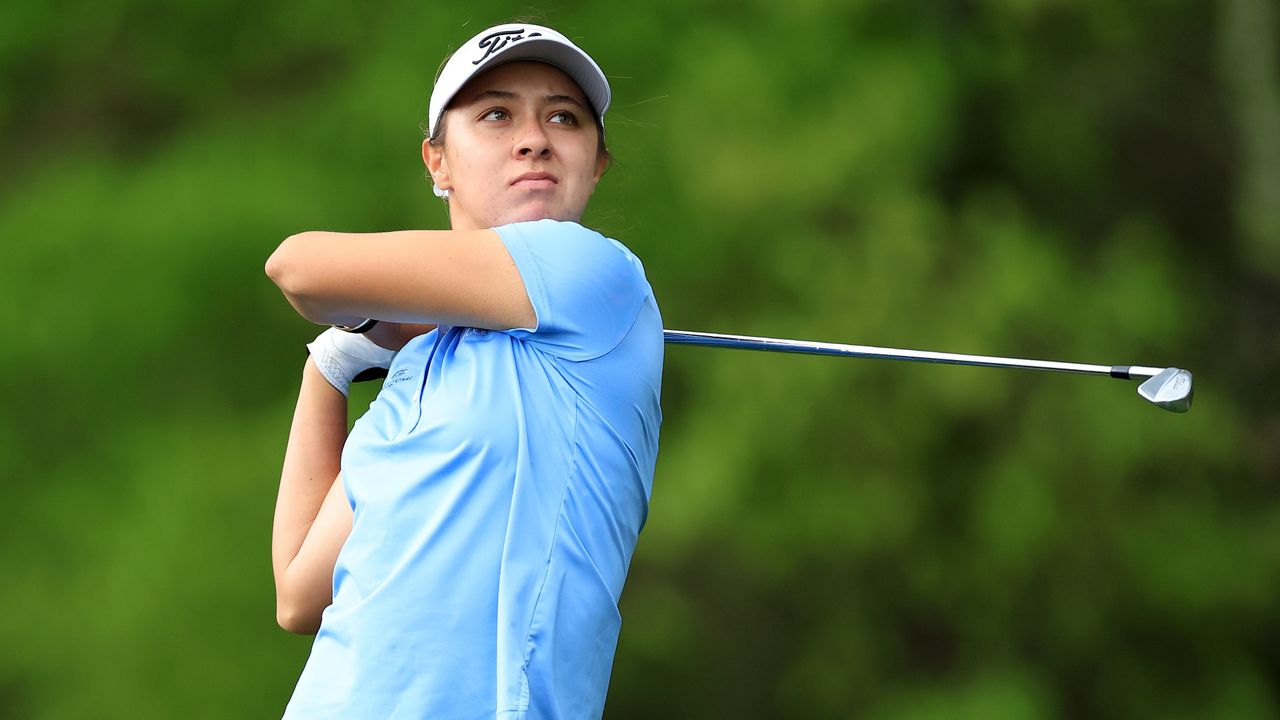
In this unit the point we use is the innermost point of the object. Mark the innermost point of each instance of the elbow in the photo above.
(296, 619)
(287, 269)
(297, 610)
(282, 266)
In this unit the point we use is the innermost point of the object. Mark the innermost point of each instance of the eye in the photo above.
(496, 114)
(564, 117)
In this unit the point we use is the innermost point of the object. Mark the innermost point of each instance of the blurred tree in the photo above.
(1092, 181)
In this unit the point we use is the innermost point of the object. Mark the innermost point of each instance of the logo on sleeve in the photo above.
(399, 376)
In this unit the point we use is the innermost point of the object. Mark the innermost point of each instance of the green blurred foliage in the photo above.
(1092, 181)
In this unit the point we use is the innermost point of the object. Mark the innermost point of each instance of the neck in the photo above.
(461, 220)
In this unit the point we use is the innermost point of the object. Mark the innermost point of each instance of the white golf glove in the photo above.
(344, 357)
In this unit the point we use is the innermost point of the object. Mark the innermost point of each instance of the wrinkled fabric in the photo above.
(498, 483)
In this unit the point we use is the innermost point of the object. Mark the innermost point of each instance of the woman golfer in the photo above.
(460, 554)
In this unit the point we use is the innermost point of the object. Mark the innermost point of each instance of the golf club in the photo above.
(1167, 388)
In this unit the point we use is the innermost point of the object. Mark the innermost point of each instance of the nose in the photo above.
(532, 140)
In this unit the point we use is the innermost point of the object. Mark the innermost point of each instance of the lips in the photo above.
(535, 181)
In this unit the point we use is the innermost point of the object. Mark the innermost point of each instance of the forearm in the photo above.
(393, 336)
(463, 278)
(311, 464)
(292, 269)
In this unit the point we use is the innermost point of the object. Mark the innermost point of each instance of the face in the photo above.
(520, 144)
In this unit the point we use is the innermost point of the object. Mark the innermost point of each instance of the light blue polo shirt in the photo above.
(498, 484)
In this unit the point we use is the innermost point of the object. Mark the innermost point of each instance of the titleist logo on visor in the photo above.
(495, 42)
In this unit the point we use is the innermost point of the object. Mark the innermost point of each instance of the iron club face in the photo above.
(1169, 389)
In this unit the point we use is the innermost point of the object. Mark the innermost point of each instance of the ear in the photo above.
(602, 164)
(437, 164)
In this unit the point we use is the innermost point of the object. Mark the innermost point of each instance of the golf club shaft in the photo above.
(807, 347)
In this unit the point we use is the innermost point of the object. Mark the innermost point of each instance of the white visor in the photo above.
(505, 43)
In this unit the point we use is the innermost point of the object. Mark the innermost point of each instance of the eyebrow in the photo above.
(505, 95)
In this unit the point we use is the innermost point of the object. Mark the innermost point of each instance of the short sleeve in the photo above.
(585, 289)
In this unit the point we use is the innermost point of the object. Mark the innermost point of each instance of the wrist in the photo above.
(342, 358)
(359, 328)
(313, 377)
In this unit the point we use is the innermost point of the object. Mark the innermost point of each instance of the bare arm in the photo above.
(394, 336)
(408, 278)
(312, 516)
(450, 277)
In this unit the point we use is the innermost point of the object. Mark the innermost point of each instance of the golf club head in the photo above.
(1169, 389)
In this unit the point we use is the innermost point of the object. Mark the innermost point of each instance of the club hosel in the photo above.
(1134, 372)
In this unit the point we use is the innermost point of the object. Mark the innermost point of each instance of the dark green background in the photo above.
(1095, 181)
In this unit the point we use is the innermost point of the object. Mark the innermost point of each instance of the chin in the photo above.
(538, 211)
